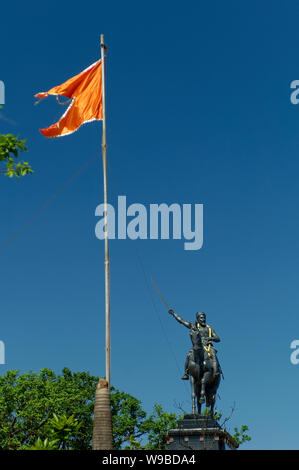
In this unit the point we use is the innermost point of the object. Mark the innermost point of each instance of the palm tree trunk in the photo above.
(102, 424)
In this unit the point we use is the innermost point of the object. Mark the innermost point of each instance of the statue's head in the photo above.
(201, 318)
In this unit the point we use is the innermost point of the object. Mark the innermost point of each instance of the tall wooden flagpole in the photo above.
(107, 264)
(102, 424)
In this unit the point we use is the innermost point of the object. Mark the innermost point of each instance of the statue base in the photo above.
(199, 432)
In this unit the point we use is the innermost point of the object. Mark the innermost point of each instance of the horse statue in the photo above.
(203, 378)
(201, 364)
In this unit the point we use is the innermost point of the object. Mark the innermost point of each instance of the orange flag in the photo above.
(85, 92)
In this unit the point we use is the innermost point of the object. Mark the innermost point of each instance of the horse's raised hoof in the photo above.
(201, 399)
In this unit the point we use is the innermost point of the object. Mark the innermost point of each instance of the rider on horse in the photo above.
(207, 335)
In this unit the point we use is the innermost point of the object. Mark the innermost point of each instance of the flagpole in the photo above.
(107, 263)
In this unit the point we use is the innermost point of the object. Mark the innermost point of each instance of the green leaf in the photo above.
(10, 147)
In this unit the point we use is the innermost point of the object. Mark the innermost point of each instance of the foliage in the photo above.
(127, 418)
(43, 445)
(28, 402)
(159, 422)
(44, 410)
(131, 426)
(240, 434)
(62, 430)
(10, 147)
(47, 411)
(216, 415)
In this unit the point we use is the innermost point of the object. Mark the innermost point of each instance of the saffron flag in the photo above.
(85, 93)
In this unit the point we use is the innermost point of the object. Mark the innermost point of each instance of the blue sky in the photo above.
(198, 111)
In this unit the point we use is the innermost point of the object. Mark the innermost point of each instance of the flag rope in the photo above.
(35, 214)
(147, 284)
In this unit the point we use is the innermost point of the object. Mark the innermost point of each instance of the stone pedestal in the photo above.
(199, 432)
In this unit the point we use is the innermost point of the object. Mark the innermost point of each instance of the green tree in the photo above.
(10, 147)
(133, 429)
(28, 402)
(44, 411)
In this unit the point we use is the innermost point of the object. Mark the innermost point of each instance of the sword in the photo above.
(160, 295)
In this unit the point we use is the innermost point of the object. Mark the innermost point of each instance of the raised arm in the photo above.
(179, 319)
(215, 338)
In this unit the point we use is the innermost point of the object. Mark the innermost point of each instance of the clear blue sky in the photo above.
(198, 111)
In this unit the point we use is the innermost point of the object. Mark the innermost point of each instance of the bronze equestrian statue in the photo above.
(201, 365)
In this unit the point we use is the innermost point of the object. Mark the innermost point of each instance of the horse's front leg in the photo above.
(193, 394)
(204, 381)
(198, 398)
